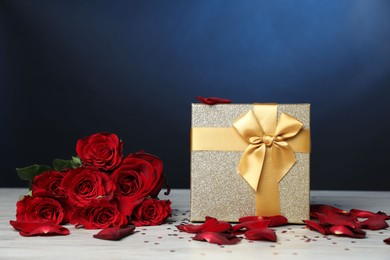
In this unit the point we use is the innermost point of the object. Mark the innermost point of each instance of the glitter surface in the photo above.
(216, 187)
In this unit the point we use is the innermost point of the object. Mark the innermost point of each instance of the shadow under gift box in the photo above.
(217, 188)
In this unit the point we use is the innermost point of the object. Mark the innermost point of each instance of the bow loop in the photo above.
(266, 136)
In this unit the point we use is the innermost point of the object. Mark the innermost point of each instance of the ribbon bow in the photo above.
(266, 137)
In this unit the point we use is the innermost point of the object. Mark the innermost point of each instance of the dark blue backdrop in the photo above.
(72, 68)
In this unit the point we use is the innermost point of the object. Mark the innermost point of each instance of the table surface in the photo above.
(166, 242)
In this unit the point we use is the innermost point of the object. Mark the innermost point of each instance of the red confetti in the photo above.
(213, 100)
(387, 240)
(115, 233)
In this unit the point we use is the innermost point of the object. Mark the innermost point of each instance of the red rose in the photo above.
(39, 209)
(48, 184)
(83, 185)
(151, 212)
(99, 214)
(158, 170)
(101, 150)
(135, 179)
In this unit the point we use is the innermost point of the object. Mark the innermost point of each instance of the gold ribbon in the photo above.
(266, 137)
(269, 145)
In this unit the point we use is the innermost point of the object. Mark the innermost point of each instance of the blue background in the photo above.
(72, 68)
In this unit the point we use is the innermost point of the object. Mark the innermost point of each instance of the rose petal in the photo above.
(219, 227)
(27, 226)
(362, 213)
(368, 214)
(312, 225)
(274, 221)
(217, 238)
(115, 233)
(346, 231)
(248, 225)
(380, 213)
(387, 240)
(28, 229)
(320, 208)
(213, 100)
(191, 228)
(374, 223)
(261, 234)
(334, 218)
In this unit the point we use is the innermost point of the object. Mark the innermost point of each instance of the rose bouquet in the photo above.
(98, 189)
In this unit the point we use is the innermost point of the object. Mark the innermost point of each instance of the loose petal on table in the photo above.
(346, 231)
(274, 221)
(261, 234)
(115, 233)
(28, 229)
(320, 208)
(249, 225)
(217, 238)
(334, 218)
(191, 228)
(312, 225)
(374, 223)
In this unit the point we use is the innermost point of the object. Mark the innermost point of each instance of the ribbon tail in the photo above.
(251, 164)
(282, 152)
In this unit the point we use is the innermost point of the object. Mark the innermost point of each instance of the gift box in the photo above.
(250, 159)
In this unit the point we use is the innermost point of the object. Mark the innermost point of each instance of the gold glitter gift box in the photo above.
(250, 159)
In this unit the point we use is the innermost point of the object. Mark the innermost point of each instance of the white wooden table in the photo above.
(166, 242)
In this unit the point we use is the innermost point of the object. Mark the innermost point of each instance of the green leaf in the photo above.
(76, 162)
(60, 164)
(28, 173)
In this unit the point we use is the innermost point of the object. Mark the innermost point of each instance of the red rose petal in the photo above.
(261, 234)
(368, 214)
(334, 218)
(274, 221)
(362, 213)
(250, 218)
(213, 100)
(249, 225)
(346, 231)
(190, 228)
(26, 226)
(28, 229)
(320, 208)
(380, 213)
(312, 225)
(387, 240)
(219, 227)
(374, 223)
(217, 238)
(115, 233)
